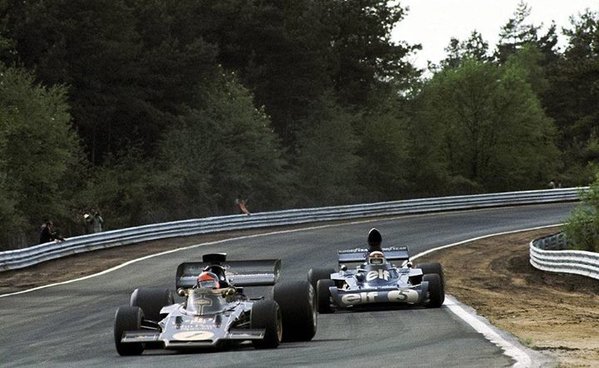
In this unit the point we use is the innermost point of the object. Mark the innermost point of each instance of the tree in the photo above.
(126, 79)
(383, 153)
(365, 57)
(291, 53)
(222, 147)
(475, 47)
(493, 134)
(327, 163)
(573, 97)
(280, 49)
(517, 33)
(39, 154)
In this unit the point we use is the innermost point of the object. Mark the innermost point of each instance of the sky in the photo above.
(432, 23)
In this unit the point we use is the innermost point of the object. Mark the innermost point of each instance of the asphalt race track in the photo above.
(71, 325)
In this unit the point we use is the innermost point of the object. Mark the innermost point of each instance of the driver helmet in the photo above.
(219, 271)
(208, 280)
(376, 258)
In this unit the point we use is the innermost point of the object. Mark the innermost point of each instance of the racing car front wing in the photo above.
(348, 298)
(191, 339)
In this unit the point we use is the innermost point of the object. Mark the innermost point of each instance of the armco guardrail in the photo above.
(549, 254)
(20, 258)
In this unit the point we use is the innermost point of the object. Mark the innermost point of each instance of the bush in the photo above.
(582, 228)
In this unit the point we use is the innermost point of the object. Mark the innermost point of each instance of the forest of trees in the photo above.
(162, 110)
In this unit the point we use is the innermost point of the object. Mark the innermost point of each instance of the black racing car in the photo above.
(217, 313)
(373, 280)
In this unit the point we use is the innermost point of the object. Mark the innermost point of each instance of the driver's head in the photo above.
(374, 240)
(219, 271)
(376, 258)
(208, 280)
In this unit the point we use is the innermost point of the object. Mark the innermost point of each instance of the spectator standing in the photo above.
(93, 222)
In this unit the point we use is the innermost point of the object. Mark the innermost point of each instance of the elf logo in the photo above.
(396, 296)
(378, 274)
(359, 298)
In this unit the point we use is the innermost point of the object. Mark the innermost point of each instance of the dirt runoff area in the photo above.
(554, 313)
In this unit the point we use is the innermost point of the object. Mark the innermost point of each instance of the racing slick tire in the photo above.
(315, 274)
(435, 291)
(266, 315)
(151, 301)
(127, 319)
(433, 268)
(297, 301)
(323, 296)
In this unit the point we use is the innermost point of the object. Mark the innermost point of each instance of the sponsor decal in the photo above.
(359, 298)
(396, 296)
(202, 320)
(193, 335)
(405, 296)
(378, 274)
(201, 302)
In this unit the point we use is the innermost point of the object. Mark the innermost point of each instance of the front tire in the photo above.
(435, 291)
(127, 319)
(434, 268)
(297, 301)
(315, 274)
(323, 296)
(266, 315)
(151, 301)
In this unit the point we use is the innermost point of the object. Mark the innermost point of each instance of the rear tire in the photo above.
(297, 301)
(323, 296)
(151, 301)
(315, 274)
(127, 319)
(435, 291)
(266, 314)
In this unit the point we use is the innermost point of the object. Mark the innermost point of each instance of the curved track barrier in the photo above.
(20, 258)
(549, 254)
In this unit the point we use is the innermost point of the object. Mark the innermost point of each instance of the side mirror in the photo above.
(181, 292)
(360, 277)
(343, 268)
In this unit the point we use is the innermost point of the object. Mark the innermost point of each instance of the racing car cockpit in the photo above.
(376, 269)
(206, 296)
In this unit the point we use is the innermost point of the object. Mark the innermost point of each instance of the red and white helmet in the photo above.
(208, 280)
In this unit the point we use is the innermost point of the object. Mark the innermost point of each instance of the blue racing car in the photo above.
(384, 277)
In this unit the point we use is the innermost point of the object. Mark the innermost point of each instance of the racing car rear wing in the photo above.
(239, 273)
(360, 254)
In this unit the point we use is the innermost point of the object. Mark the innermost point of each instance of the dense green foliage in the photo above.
(488, 127)
(153, 111)
(582, 228)
(38, 153)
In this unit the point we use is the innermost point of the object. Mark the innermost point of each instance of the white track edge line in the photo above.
(518, 353)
